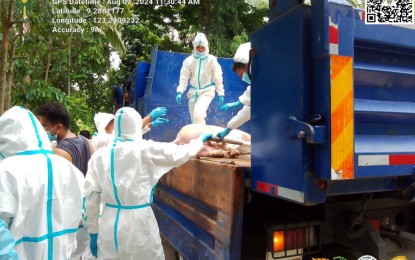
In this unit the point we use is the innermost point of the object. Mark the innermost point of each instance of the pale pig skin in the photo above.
(213, 149)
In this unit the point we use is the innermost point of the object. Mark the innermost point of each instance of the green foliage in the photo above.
(48, 64)
(36, 94)
(357, 3)
(81, 114)
(39, 93)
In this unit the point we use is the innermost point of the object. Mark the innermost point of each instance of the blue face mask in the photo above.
(52, 137)
(246, 78)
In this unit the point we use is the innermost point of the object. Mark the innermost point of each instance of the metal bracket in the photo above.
(302, 130)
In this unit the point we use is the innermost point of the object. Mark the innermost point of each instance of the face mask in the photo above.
(246, 78)
(52, 137)
(198, 55)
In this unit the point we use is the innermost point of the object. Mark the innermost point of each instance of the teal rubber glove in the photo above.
(158, 112)
(6, 243)
(159, 121)
(179, 98)
(231, 105)
(205, 137)
(93, 244)
(223, 133)
(221, 100)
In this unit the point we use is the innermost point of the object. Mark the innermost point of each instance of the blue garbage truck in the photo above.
(331, 171)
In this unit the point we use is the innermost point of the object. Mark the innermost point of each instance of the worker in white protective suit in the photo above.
(202, 72)
(240, 67)
(104, 122)
(123, 177)
(40, 192)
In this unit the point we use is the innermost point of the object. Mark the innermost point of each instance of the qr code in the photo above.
(389, 12)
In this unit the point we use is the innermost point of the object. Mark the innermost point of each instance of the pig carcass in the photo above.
(211, 148)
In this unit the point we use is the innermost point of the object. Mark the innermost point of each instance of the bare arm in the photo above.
(63, 154)
(146, 120)
(91, 148)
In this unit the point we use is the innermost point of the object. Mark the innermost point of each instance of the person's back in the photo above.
(40, 192)
(132, 189)
(124, 176)
(101, 140)
(79, 149)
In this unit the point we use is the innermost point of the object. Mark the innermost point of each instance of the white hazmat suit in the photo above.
(203, 74)
(124, 177)
(40, 192)
(243, 116)
(102, 138)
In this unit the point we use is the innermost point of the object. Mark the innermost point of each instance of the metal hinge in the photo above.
(313, 134)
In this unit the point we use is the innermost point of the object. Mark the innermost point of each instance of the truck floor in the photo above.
(241, 161)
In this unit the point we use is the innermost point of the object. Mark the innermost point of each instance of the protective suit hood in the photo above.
(201, 40)
(21, 131)
(101, 120)
(242, 54)
(128, 124)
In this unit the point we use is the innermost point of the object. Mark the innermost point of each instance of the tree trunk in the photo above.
(5, 26)
(48, 61)
(9, 77)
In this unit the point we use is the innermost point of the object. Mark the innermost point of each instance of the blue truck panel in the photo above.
(138, 80)
(161, 83)
(286, 166)
(278, 92)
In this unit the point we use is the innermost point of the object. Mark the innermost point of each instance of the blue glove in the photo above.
(93, 244)
(231, 105)
(220, 101)
(159, 121)
(224, 133)
(6, 243)
(158, 112)
(179, 98)
(205, 137)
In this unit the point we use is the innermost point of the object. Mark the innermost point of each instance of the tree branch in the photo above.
(9, 18)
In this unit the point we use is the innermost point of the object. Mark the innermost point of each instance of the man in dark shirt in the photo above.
(55, 119)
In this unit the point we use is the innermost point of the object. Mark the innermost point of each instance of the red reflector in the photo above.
(375, 222)
(295, 238)
(401, 159)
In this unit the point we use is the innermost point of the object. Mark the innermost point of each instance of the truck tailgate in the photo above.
(202, 203)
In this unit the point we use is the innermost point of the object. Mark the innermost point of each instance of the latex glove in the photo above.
(158, 112)
(224, 133)
(93, 244)
(231, 105)
(179, 98)
(6, 243)
(205, 137)
(159, 121)
(221, 100)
